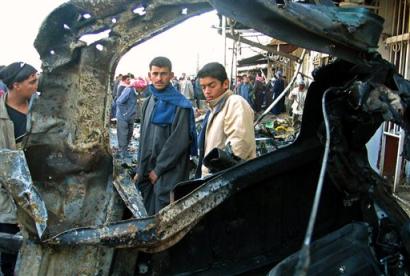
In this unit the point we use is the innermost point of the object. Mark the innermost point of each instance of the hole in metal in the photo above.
(91, 38)
(140, 11)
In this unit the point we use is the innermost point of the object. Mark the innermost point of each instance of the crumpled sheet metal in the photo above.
(346, 33)
(58, 40)
(15, 177)
(68, 141)
(128, 192)
(386, 101)
(161, 231)
(157, 232)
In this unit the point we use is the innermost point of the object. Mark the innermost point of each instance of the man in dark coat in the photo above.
(168, 138)
(277, 89)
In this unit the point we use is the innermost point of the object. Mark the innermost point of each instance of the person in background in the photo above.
(22, 81)
(168, 138)
(259, 92)
(186, 88)
(277, 89)
(229, 119)
(175, 83)
(115, 86)
(245, 89)
(126, 114)
(140, 86)
(298, 95)
(125, 82)
(237, 85)
(199, 95)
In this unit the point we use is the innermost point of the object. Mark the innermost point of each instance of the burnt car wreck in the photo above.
(72, 193)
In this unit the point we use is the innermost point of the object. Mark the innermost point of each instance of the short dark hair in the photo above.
(213, 70)
(16, 72)
(161, 62)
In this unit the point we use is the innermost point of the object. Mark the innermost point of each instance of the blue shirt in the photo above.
(127, 105)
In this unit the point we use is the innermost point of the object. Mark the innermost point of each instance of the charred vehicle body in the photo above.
(72, 193)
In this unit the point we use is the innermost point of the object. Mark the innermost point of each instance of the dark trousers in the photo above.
(154, 197)
(8, 261)
(124, 133)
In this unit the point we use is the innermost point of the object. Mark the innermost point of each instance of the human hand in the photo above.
(153, 177)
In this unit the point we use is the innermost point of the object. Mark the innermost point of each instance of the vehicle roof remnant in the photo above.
(252, 215)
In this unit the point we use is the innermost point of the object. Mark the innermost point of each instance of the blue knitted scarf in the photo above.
(165, 109)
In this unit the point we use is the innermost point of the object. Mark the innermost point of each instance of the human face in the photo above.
(213, 88)
(26, 88)
(127, 81)
(160, 77)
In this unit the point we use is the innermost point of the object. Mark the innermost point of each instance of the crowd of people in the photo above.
(260, 94)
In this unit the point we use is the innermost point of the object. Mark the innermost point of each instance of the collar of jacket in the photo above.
(217, 104)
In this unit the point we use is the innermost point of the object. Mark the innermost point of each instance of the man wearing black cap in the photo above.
(21, 81)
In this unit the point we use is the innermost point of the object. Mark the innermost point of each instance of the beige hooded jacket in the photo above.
(230, 120)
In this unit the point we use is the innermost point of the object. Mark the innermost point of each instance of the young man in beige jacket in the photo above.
(229, 119)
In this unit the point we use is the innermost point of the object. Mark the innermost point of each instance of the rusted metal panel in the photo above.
(68, 146)
(15, 177)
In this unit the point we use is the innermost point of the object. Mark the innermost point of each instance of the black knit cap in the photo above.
(16, 72)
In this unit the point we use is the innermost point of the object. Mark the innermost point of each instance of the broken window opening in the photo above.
(87, 16)
(140, 11)
(92, 38)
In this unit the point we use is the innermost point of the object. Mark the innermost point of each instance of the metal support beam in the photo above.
(263, 47)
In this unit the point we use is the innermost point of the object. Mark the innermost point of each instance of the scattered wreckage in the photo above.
(248, 217)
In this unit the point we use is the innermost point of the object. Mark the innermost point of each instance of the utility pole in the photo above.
(224, 37)
(197, 63)
(232, 62)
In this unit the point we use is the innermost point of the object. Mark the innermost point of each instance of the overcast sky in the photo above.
(20, 21)
(188, 45)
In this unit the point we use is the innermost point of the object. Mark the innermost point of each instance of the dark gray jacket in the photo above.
(165, 150)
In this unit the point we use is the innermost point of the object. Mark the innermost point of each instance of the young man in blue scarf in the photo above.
(168, 138)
